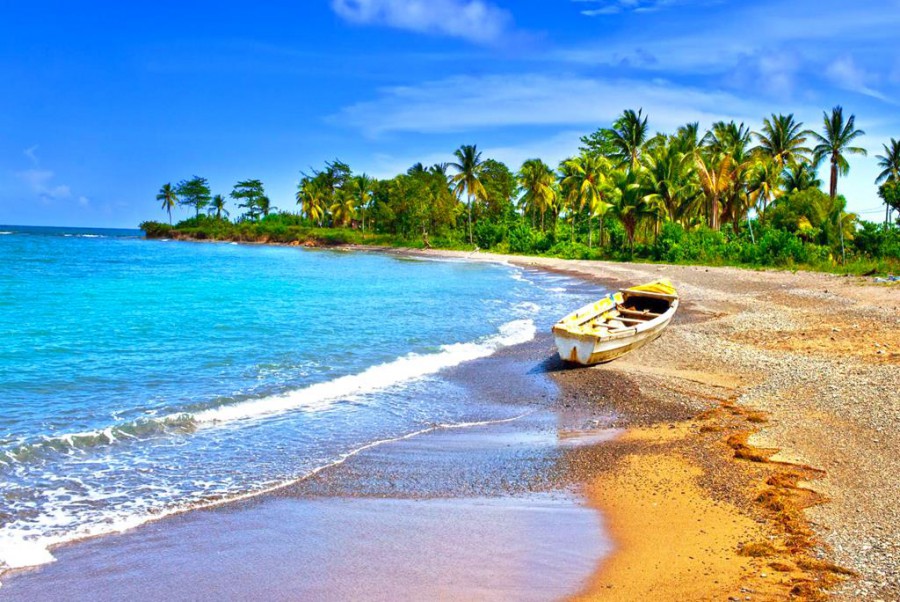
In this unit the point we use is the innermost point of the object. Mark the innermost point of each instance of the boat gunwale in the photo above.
(560, 329)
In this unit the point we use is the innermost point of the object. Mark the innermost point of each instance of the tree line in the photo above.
(624, 189)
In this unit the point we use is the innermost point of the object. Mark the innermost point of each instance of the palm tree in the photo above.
(169, 198)
(839, 134)
(628, 136)
(782, 139)
(764, 184)
(586, 181)
(715, 177)
(265, 206)
(467, 179)
(363, 186)
(730, 138)
(344, 207)
(687, 137)
(890, 164)
(800, 176)
(311, 196)
(669, 176)
(630, 204)
(536, 179)
(217, 206)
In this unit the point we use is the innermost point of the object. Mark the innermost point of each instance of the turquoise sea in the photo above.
(144, 378)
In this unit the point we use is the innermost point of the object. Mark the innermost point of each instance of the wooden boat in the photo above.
(616, 324)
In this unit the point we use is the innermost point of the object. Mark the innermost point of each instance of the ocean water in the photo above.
(143, 378)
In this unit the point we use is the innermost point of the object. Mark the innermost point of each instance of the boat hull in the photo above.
(590, 350)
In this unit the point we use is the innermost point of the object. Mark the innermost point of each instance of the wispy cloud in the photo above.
(845, 73)
(474, 20)
(614, 7)
(467, 103)
(40, 181)
(31, 153)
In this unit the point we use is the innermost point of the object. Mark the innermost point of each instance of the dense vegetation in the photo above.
(725, 196)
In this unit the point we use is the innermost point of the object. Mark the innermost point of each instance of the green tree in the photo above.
(312, 197)
(265, 206)
(670, 177)
(628, 136)
(468, 166)
(800, 176)
(343, 208)
(631, 204)
(536, 180)
(250, 195)
(500, 189)
(782, 139)
(600, 143)
(169, 198)
(890, 194)
(362, 187)
(715, 175)
(217, 207)
(764, 185)
(586, 181)
(836, 143)
(889, 163)
(194, 193)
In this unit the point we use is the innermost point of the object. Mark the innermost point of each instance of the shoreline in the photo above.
(769, 356)
(688, 404)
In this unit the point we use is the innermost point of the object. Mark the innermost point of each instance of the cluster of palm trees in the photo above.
(622, 174)
(717, 178)
(335, 192)
(195, 193)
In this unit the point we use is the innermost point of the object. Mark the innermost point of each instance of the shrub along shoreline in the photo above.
(768, 248)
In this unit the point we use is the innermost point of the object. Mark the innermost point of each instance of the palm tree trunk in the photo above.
(471, 239)
(590, 232)
(834, 179)
(542, 219)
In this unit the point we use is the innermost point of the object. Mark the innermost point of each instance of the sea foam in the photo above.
(377, 378)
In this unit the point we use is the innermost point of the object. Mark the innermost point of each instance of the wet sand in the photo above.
(486, 513)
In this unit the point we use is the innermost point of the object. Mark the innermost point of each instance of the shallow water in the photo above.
(143, 378)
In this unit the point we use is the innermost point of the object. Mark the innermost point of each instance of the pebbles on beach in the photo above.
(800, 348)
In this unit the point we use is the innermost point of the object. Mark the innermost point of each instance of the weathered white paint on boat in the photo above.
(588, 348)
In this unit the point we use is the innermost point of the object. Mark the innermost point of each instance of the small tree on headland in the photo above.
(250, 195)
(169, 199)
(217, 207)
(194, 193)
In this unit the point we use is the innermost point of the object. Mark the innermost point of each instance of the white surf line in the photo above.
(125, 525)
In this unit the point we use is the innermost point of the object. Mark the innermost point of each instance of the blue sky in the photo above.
(104, 102)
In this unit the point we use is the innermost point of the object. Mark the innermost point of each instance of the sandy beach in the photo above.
(761, 454)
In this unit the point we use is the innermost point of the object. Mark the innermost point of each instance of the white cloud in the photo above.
(40, 182)
(614, 7)
(467, 103)
(474, 20)
(31, 153)
(846, 74)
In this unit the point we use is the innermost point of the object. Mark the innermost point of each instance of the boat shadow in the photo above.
(553, 364)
